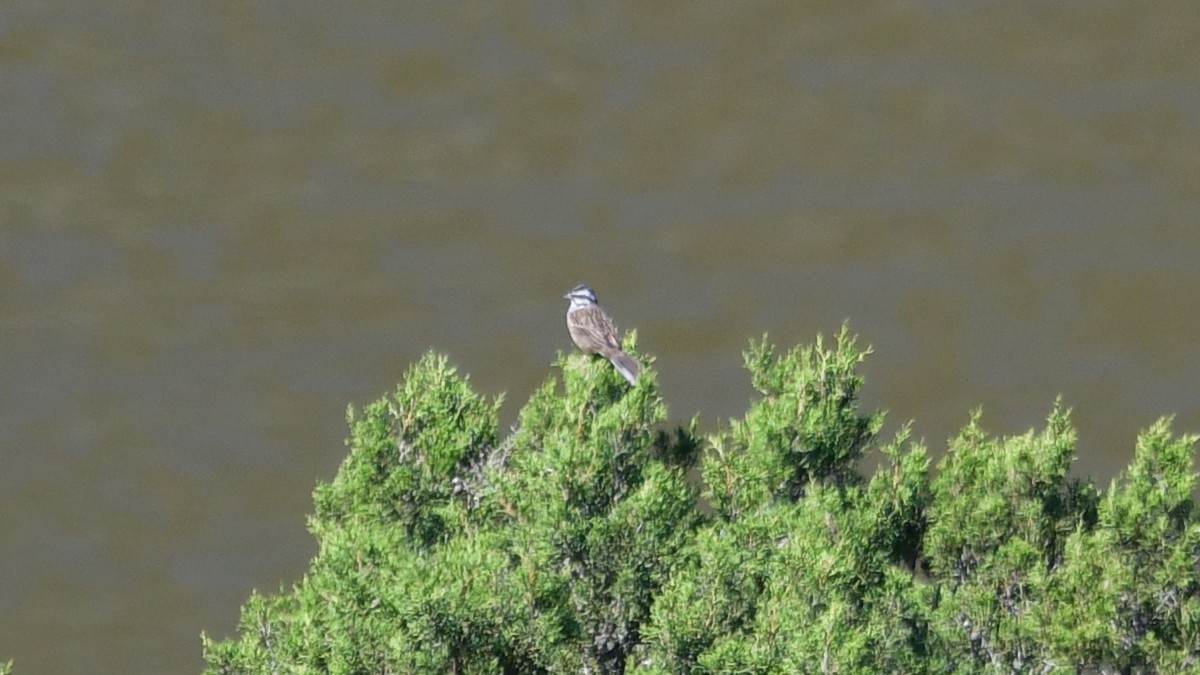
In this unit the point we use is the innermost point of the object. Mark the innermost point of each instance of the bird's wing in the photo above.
(594, 325)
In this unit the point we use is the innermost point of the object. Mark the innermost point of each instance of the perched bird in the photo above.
(594, 333)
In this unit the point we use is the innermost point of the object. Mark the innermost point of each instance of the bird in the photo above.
(594, 332)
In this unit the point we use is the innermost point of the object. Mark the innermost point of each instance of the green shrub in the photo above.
(578, 543)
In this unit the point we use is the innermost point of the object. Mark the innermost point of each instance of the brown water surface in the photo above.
(222, 222)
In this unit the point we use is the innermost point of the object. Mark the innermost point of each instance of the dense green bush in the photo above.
(584, 542)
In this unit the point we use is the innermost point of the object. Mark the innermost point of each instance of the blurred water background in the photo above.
(222, 222)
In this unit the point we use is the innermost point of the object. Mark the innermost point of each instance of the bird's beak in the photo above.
(566, 296)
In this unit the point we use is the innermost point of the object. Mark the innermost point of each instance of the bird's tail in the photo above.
(625, 364)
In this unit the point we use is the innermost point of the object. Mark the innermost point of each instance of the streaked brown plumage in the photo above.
(594, 332)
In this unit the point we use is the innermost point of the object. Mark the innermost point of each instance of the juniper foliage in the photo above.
(585, 542)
